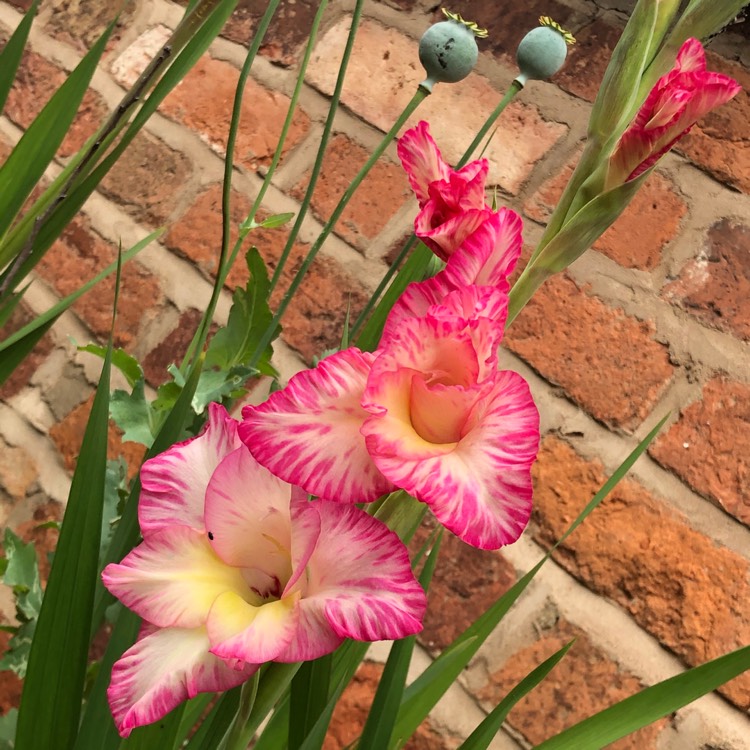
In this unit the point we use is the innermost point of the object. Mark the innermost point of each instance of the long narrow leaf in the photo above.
(481, 737)
(423, 694)
(209, 734)
(161, 735)
(57, 662)
(13, 355)
(38, 145)
(10, 57)
(649, 705)
(309, 694)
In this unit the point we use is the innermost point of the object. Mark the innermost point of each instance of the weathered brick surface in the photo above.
(378, 198)
(720, 142)
(639, 238)
(715, 286)
(678, 585)
(23, 372)
(36, 80)
(351, 714)
(387, 60)
(148, 180)
(313, 322)
(81, 22)
(80, 254)
(466, 581)
(18, 470)
(585, 682)
(605, 360)
(67, 435)
(202, 102)
(709, 446)
(171, 348)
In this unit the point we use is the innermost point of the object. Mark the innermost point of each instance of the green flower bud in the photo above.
(542, 51)
(448, 50)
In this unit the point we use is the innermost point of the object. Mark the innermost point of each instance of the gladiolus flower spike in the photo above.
(238, 568)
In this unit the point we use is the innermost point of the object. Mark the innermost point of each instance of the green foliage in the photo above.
(12, 52)
(8, 729)
(21, 573)
(277, 220)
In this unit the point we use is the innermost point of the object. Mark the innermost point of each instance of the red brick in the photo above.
(678, 585)
(352, 709)
(36, 81)
(80, 23)
(148, 179)
(18, 471)
(313, 321)
(465, 583)
(720, 142)
(80, 254)
(43, 537)
(23, 372)
(588, 59)
(11, 686)
(67, 435)
(606, 361)
(584, 682)
(23, 5)
(382, 193)
(709, 446)
(645, 228)
(715, 286)
(203, 102)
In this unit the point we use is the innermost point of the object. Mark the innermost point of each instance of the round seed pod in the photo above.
(542, 52)
(448, 52)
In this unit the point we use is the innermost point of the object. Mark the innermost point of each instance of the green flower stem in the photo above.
(515, 87)
(416, 100)
(199, 339)
(327, 128)
(235, 738)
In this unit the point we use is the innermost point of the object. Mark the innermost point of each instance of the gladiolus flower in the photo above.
(451, 201)
(246, 571)
(677, 101)
(428, 412)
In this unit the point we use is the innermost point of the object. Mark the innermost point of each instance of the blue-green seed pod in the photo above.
(542, 51)
(448, 51)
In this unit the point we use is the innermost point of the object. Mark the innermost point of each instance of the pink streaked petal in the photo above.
(712, 90)
(305, 535)
(308, 433)
(361, 571)
(445, 237)
(488, 255)
(421, 160)
(691, 57)
(481, 489)
(314, 637)
(174, 482)
(470, 181)
(164, 668)
(172, 578)
(238, 630)
(247, 515)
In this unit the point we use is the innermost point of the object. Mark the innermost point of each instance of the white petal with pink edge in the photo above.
(360, 571)
(164, 668)
(247, 515)
(421, 160)
(308, 433)
(172, 578)
(256, 634)
(174, 482)
(479, 488)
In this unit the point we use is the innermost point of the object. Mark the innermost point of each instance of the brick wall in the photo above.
(655, 319)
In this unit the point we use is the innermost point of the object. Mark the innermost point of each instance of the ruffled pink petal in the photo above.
(445, 235)
(314, 637)
(308, 433)
(255, 634)
(164, 668)
(480, 487)
(421, 160)
(174, 482)
(360, 573)
(248, 516)
(488, 255)
(468, 184)
(172, 578)
(691, 58)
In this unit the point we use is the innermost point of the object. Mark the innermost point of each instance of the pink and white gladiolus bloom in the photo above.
(451, 201)
(677, 101)
(429, 413)
(237, 568)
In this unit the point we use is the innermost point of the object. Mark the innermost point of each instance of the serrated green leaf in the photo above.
(16, 657)
(215, 385)
(38, 145)
(649, 705)
(124, 362)
(12, 53)
(483, 735)
(166, 396)
(131, 412)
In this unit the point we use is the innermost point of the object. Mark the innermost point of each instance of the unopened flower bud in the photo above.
(542, 51)
(448, 50)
